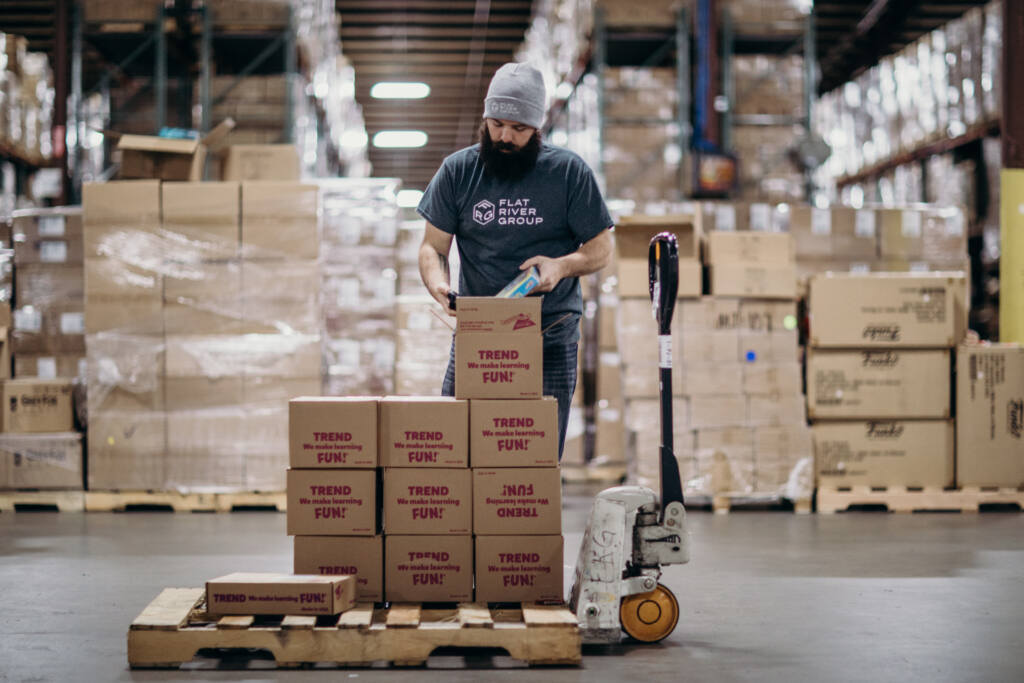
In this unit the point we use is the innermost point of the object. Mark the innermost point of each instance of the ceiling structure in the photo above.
(454, 46)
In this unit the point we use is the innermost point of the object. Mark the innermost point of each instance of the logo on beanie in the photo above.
(483, 212)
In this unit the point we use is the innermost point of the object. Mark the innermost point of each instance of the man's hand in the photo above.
(551, 271)
(439, 290)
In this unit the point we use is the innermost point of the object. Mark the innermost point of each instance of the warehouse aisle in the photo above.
(768, 597)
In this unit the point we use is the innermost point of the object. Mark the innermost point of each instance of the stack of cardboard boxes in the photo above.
(879, 377)
(39, 448)
(49, 325)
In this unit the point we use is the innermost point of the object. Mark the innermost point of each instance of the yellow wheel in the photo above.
(649, 617)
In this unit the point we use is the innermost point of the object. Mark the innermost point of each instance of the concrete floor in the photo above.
(769, 596)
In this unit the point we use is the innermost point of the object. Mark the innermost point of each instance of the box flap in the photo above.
(157, 145)
(219, 133)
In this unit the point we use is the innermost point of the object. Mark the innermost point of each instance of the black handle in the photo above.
(663, 279)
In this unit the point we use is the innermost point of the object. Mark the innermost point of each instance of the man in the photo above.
(514, 202)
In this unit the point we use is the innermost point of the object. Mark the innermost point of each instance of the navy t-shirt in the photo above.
(498, 224)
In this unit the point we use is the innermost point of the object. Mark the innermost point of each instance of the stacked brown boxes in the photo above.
(990, 415)
(513, 436)
(333, 490)
(49, 324)
(879, 377)
(38, 447)
(427, 499)
(124, 254)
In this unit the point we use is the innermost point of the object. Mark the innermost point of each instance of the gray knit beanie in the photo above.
(516, 93)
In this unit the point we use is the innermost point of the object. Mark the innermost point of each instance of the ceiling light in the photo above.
(408, 199)
(400, 138)
(393, 90)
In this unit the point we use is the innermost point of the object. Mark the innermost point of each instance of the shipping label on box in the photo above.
(890, 383)
(519, 569)
(514, 433)
(887, 309)
(498, 315)
(332, 502)
(358, 556)
(884, 453)
(516, 501)
(990, 415)
(428, 501)
(424, 432)
(35, 405)
(257, 593)
(428, 568)
(765, 248)
(332, 432)
(491, 365)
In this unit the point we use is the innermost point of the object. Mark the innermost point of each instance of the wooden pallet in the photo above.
(724, 503)
(604, 474)
(926, 499)
(175, 627)
(62, 501)
(127, 501)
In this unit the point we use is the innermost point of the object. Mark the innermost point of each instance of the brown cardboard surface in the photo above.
(517, 501)
(261, 162)
(51, 328)
(205, 217)
(333, 431)
(703, 379)
(132, 315)
(769, 317)
(35, 405)
(428, 568)
(708, 313)
(763, 248)
(112, 212)
(127, 449)
(489, 365)
(884, 453)
(887, 309)
(718, 411)
(514, 433)
(519, 569)
(777, 409)
(149, 156)
(767, 378)
(280, 219)
(424, 432)
(206, 449)
(196, 393)
(708, 346)
(52, 238)
(427, 501)
(878, 383)
(48, 366)
(771, 347)
(358, 556)
(502, 316)
(632, 241)
(332, 502)
(279, 389)
(41, 461)
(724, 438)
(990, 415)
(770, 281)
(634, 280)
(255, 593)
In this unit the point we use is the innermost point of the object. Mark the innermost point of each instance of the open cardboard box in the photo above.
(632, 242)
(157, 158)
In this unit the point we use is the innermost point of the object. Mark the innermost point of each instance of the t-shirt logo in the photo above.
(483, 212)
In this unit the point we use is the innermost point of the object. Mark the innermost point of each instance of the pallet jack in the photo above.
(632, 533)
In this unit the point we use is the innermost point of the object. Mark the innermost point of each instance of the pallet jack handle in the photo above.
(663, 279)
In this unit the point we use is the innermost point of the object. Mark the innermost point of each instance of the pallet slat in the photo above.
(905, 500)
(120, 501)
(164, 637)
(64, 501)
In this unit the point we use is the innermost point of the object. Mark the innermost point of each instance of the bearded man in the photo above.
(514, 201)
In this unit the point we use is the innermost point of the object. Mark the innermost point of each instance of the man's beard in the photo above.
(504, 161)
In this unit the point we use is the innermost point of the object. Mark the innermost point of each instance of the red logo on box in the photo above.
(519, 321)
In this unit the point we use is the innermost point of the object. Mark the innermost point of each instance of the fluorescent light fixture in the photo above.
(354, 138)
(396, 90)
(408, 199)
(400, 138)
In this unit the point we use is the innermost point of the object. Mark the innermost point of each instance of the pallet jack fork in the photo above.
(632, 532)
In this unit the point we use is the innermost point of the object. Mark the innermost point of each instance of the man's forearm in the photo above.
(589, 258)
(433, 266)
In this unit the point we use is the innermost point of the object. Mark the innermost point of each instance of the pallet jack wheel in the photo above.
(649, 617)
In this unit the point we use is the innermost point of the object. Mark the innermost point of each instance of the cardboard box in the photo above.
(48, 366)
(887, 309)
(332, 502)
(517, 501)
(489, 365)
(35, 405)
(752, 280)
(261, 162)
(762, 248)
(206, 449)
(514, 433)
(497, 315)
(884, 453)
(47, 236)
(704, 379)
(632, 243)
(149, 156)
(773, 379)
(770, 347)
(118, 211)
(708, 313)
(50, 328)
(280, 220)
(427, 501)
(257, 593)
(207, 217)
(428, 568)
(333, 432)
(767, 317)
(275, 390)
(41, 461)
(359, 556)
(781, 409)
(990, 415)
(519, 569)
(127, 449)
(880, 383)
(718, 411)
(424, 432)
